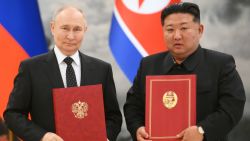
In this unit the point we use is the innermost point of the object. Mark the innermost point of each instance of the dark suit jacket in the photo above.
(32, 93)
(220, 92)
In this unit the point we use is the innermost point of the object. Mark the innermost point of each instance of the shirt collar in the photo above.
(169, 63)
(60, 56)
(190, 63)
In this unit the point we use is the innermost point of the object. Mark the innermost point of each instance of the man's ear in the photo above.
(85, 28)
(52, 27)
(201, 29)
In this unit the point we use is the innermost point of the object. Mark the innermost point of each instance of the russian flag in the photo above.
(21, 37)
(136, 32)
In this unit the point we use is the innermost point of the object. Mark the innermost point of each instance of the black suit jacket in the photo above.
(220, 92)
(32, 93)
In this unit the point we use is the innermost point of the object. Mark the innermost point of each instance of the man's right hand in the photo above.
(51, 137)
(141, 134)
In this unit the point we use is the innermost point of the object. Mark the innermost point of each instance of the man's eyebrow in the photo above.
(180, 24)
(170, 25)
(167, 25)
(184, 23)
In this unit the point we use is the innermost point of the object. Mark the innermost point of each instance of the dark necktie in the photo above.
(70, 73)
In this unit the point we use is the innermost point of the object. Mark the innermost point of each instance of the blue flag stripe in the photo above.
(125, 53)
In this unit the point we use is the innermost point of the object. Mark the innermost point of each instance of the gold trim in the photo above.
(10, 135)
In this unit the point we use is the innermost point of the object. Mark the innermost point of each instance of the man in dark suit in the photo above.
(220, 93)
(64, 66)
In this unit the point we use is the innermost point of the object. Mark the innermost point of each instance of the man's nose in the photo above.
(70, 35)
(177, 35)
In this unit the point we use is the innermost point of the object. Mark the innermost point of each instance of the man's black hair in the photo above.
(183, 7)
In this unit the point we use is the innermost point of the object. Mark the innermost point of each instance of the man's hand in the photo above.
(191, 134)
(51, 137)
(141, 134)
(3, 138)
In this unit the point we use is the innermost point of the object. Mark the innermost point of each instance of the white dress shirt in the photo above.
(76, 64)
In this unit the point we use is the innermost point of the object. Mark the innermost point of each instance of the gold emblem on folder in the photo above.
(80, 109)
(170, 99)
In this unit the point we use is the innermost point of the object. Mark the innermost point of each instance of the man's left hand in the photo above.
(191, 134)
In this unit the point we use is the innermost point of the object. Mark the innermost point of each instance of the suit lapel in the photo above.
(85, 69)
(53, 70)
(164, 65)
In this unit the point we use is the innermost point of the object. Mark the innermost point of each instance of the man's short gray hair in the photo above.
(59, 10)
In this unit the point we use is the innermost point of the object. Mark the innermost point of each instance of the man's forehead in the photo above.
(66, 23)
(70, 25)
(69, 20)
(179, 18)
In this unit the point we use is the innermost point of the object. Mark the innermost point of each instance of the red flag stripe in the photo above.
(12, 54)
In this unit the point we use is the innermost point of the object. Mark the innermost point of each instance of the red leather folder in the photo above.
(170, 105)
(79, 113)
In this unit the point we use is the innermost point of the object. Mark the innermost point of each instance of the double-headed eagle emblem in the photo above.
(80, 109)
